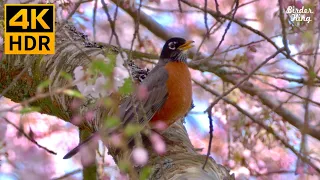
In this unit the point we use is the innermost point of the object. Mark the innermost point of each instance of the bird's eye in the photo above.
(172, 45)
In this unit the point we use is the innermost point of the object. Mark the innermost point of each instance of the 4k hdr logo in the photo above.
(29, 29)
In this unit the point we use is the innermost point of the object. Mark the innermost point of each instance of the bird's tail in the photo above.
(77, 148)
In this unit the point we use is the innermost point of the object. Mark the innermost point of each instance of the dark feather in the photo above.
(157, 95)
(76, 149)
(145, 109)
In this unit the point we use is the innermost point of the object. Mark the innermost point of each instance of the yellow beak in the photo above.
(186, 46)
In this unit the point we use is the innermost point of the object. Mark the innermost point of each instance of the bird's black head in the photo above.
(175, 49)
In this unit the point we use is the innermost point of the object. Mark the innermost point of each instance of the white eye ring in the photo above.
(172, 46)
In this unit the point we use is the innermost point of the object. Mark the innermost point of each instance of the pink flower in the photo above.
(311, 170)
(89, 115)
(157, 143)
(160, 125)
(261, 164)
(298, 4)
(231, 163)
(116, 139)
(246, 153)
(87, 152)
(299, 170)
(140, 156)
(3, 130)
(76, 120)
(156, 1)
(75, 104)
(143, 92)
(87, 158)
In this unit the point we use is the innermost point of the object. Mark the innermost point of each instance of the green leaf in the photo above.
(312, 74)
(124, 165)
(112, 121)
(108, 102)
(132, 129)
(29, 109)
(145, 173)
(308, 36)
(66, 76)
(73, 93)
(112, 57)
(127, 87)
(102, 67)
(43, 85)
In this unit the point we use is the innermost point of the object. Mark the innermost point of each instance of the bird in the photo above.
(168, 91)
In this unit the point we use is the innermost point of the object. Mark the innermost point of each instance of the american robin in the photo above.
(168, 90)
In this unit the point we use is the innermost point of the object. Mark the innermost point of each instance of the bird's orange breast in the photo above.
(179, 98)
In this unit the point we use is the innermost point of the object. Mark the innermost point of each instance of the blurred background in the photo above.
(258, 128)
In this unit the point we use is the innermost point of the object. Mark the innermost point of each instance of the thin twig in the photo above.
(228, 129)
(180, 7)
(28, 137)
(261, 123)
(94, 19)
(289, 92)
(161, 32)
(318, 39)
(300, 80)
(203, 40)
(303, 143)
(317, 44)
(217, 15)
(284, 34)
(286, 101)
(77, 5)
(136, 31)
(258, 41)
(316, 52)
(244, 79)
(68, 174)
(221, 23)
(217, 6)
(225, 31)
(112, 24)
(170, 10)
(209, 109)
(209, 112)
(41, 96)
(275, 172)
(147, 21)
(205, 17)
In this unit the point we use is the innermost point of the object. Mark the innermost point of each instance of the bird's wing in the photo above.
(145, 109)
(137, 110)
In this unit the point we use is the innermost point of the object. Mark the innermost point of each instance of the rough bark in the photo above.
(180, 162)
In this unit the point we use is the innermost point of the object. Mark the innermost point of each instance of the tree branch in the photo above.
(180, 151)
(249, 88)
(28, 137)
(146, 21)
(260, 123)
